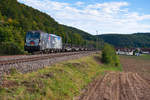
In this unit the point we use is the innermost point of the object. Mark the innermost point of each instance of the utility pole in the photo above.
(97, 40)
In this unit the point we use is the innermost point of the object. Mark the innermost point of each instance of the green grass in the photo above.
(142, 57)
(61, 81)
(145, 56)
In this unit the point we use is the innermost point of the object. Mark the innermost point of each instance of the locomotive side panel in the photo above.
(58, 44)
(56, 41)
(43, 41)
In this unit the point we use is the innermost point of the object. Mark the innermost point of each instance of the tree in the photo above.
(10, 48)
(5, 34)
(0, 16)
(109, 55)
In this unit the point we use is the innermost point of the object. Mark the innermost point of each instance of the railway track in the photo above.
(36, 58)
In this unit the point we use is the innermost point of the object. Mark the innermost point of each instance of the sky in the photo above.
(103, 16)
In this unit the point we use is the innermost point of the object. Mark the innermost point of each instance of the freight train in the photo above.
(38, 41)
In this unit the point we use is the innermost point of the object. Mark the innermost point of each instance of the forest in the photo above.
(135, 40)
(16, 19)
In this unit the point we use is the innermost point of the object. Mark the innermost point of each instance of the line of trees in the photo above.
(128, 40)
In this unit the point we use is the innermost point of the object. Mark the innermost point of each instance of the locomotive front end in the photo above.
(32, 41)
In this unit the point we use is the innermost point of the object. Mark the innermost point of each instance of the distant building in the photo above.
(125, 51)
(145, 50)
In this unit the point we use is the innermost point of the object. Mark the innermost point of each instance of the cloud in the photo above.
(109, 7)
(108, 17)
(79, 3)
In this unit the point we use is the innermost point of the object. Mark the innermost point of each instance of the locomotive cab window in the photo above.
(31, 35)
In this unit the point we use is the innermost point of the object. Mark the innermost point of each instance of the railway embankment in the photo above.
(61, 81)
(30, 63)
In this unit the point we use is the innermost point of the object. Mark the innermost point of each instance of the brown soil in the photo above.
(9, 84)
(140, 66)
(132, 84)
(118, 86)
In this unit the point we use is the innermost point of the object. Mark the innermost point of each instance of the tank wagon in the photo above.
(44, 42)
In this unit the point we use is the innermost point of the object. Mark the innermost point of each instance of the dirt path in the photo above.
(118, 86)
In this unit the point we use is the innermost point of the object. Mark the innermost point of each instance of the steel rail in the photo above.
(42, 57)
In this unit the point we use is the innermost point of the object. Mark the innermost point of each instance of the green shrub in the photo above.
(109, 55)
(10, 48)
(13, 71)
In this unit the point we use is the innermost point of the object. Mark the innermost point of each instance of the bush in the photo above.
(13, 71)
(109, 56)
(10, 48)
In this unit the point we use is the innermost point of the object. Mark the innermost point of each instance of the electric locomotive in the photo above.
(43, 42)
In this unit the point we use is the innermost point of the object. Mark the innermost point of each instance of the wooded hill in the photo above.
(16, 19)
(128, 40)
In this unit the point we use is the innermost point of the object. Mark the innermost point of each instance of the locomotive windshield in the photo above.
(32, 35)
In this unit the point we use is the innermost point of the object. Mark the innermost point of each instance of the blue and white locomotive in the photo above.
(44, 42)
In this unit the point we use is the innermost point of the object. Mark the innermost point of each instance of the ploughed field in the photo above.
(140, 65)
(131, 84)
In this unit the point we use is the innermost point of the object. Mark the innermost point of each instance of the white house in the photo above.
(125, 52)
